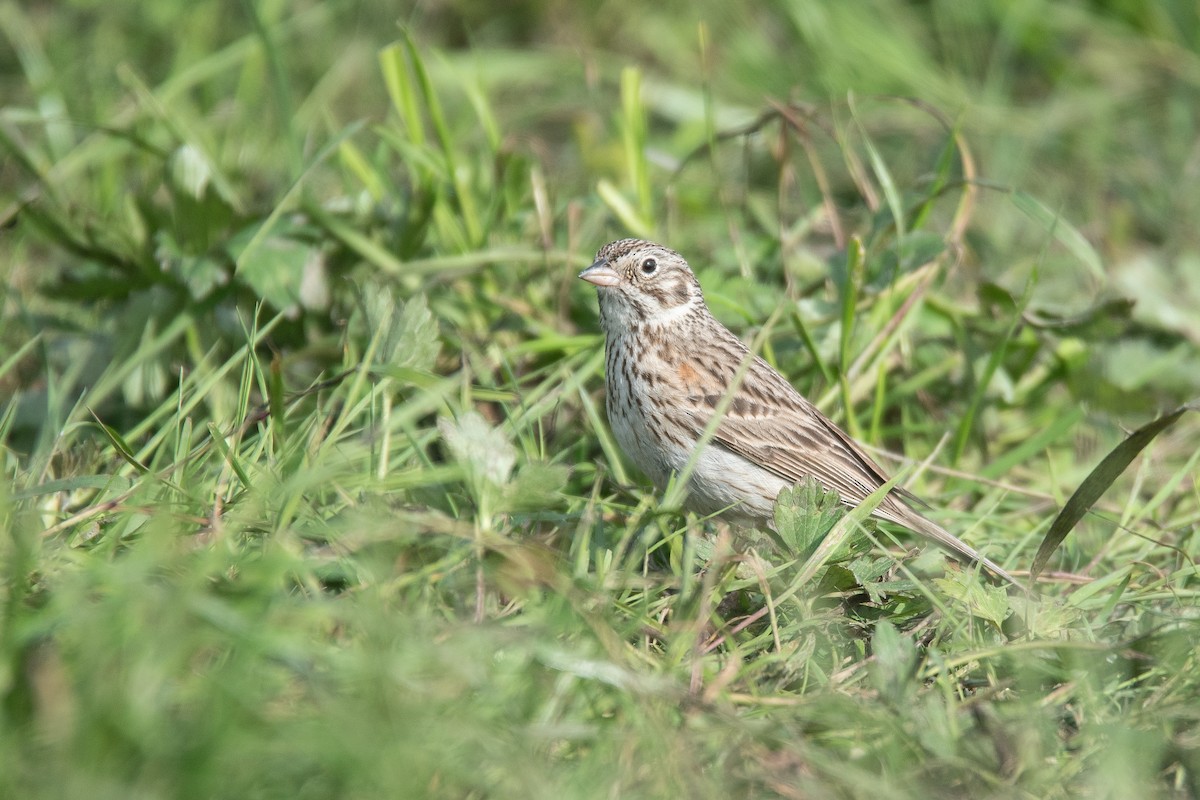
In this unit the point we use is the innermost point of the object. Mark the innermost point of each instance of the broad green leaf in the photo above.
(867, 571)
(804, 514)
(277, 266)
(201, 274)
(483, 450)
(409, 331)
(189, 171)
(895, 661)
(536, 486)
(982, 600)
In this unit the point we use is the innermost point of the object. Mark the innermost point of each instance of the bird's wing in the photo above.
(772, 425)
(769, 423)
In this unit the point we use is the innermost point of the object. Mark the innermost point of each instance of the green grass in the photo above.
(308, 490)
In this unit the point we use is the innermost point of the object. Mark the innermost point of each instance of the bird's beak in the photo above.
(601, 274)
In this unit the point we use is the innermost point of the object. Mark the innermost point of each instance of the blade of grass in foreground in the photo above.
(1098, 481)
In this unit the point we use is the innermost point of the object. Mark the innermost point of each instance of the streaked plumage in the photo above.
(670, 363)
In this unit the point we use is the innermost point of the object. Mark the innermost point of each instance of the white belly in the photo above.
(721, 481)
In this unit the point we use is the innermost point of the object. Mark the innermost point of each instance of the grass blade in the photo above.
(1098, 481)
(633, 131)
(1066, 233)
(119, 444)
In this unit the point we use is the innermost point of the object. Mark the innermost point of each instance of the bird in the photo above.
(670, 366)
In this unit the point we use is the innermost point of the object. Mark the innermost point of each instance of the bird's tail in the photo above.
(939, 535)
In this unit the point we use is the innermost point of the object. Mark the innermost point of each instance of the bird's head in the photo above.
(642, 283)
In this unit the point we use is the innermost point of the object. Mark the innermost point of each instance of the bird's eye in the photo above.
(649, 265)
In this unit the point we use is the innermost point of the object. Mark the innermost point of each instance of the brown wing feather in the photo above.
(772, 425)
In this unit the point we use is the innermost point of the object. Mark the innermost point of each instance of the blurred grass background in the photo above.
(308, 491)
